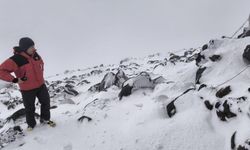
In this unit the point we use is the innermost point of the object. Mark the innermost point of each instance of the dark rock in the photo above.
(74, 77)
(247, 141)
(69, 86)
(2, 122)
(199, 74)
(70, 91)
(233, 145)
(245, 146)
(202, 86)
(217, 105)
(95, 72)
(223, 92)
(171, 109)
(173, 57)
(11, 106)
(246, 54)
(242, 98)
(84, 117)
(208, 105)
(221, 115)
(211, 42)
(123, 66)
(10, 135)
(58, 82)
(153, 62)
(83, 82)
(126, 91)
(134, 64)
(107, 81)
(245, 33)
(240, 147)
(160, 64)
(143, 80)
(226, 112)
(120, 78)
(191, 58)
(22, 144)
(95, 88)
(3, 92)
(18, 128)
(59, 90)
(204, 47)
(17, 114)
(70, 82)
(6, 102)
(159, 80)
(186, 53)
(124, 60)
(215, 58)
(13, 102)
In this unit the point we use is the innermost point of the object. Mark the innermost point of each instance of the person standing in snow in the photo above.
(27, 66)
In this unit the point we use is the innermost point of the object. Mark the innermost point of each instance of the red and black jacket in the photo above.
(23, 65)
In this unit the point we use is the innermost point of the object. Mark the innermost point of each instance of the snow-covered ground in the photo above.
(140, 121)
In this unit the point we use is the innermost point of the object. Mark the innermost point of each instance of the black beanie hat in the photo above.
(25, 43)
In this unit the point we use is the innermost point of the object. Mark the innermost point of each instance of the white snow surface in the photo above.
(140, 121)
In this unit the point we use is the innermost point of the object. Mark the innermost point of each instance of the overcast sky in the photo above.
(72, 34)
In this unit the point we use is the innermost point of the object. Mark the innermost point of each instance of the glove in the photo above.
(15, 80)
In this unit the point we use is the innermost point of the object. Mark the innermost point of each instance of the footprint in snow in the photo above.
(40, 140)
(139, 105)
(68, 147)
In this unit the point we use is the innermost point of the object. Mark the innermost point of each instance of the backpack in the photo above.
(246, 54)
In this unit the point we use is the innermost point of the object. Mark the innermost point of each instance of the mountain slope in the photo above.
(141, 121)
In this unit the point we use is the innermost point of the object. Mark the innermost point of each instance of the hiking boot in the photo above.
(51, 123)
(29, 128)
(48, 122)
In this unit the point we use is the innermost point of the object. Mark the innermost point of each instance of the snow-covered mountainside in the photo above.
(195, 99)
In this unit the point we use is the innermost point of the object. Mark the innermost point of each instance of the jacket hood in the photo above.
(17, 50)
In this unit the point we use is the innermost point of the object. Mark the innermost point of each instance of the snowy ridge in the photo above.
(158, 117)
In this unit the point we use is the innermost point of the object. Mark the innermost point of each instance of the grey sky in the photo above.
(72, 34)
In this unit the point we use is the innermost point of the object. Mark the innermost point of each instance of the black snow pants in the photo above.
(29, 98)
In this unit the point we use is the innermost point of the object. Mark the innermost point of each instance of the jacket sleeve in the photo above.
(6, 68)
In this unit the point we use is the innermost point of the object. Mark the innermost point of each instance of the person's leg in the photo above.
(29, 98)
(44, 99)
